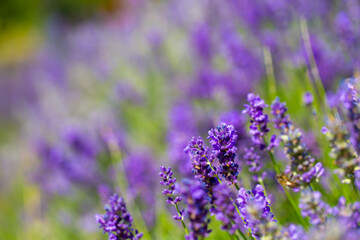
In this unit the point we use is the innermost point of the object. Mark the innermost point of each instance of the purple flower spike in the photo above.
(200, 162)
(293, 232)
(258, 120)
(278, 110)
(117, 222)
(197, 211)
(169, 181)
(253, 160)
(225, 210)
(223, 140)
(302, 169)
(313, 207)
(255, 210)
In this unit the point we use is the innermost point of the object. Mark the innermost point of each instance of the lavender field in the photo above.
(167, 120)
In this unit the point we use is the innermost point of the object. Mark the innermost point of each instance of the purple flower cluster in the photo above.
(293, 232)
(351, 102)
(224, 209)
(302, 169)
(253, 160)
(255, 210)
(200, 159)
(169, 181)
(313, 207)
(348, 213)
(197, 210)
(258, 120)
(223, 140)
(342, 150)
(117, 222)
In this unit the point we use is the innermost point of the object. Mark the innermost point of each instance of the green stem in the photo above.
(269, 67)
(295, 207)
(182, 221)
(355, 189)
(242, 234)
(313, 68)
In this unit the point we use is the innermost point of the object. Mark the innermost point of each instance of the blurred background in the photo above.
(95, 95)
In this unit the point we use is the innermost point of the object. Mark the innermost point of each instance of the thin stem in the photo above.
(182, 221)
(231, 236)
(237, 186)
(313, 68)
(269, 67)
(242, 234)
(355, 189)
(295, 207)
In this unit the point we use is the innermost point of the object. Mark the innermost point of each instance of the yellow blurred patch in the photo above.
(18, 44)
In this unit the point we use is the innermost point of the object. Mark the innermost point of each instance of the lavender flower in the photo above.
(258, 120)
(293, 232)
(313, 207)
(252, 159)
(224, 209)
(117, 222)
(302, 170)
(334, 229)
(169, 181)
(308, 98)
(255, 210)
(197, 210)
(352, 105)
(342, 150)
(200, 162)
(349, 214)
(223, 140)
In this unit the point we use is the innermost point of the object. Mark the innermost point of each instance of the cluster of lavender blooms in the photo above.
(117, 222)
(200, 159)
(313, 207)
(223, 140)
(302, 171)
(248, 212)
(255, 209)
(258, 120)
(343, 134)
(197, 210)
(266, 21)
